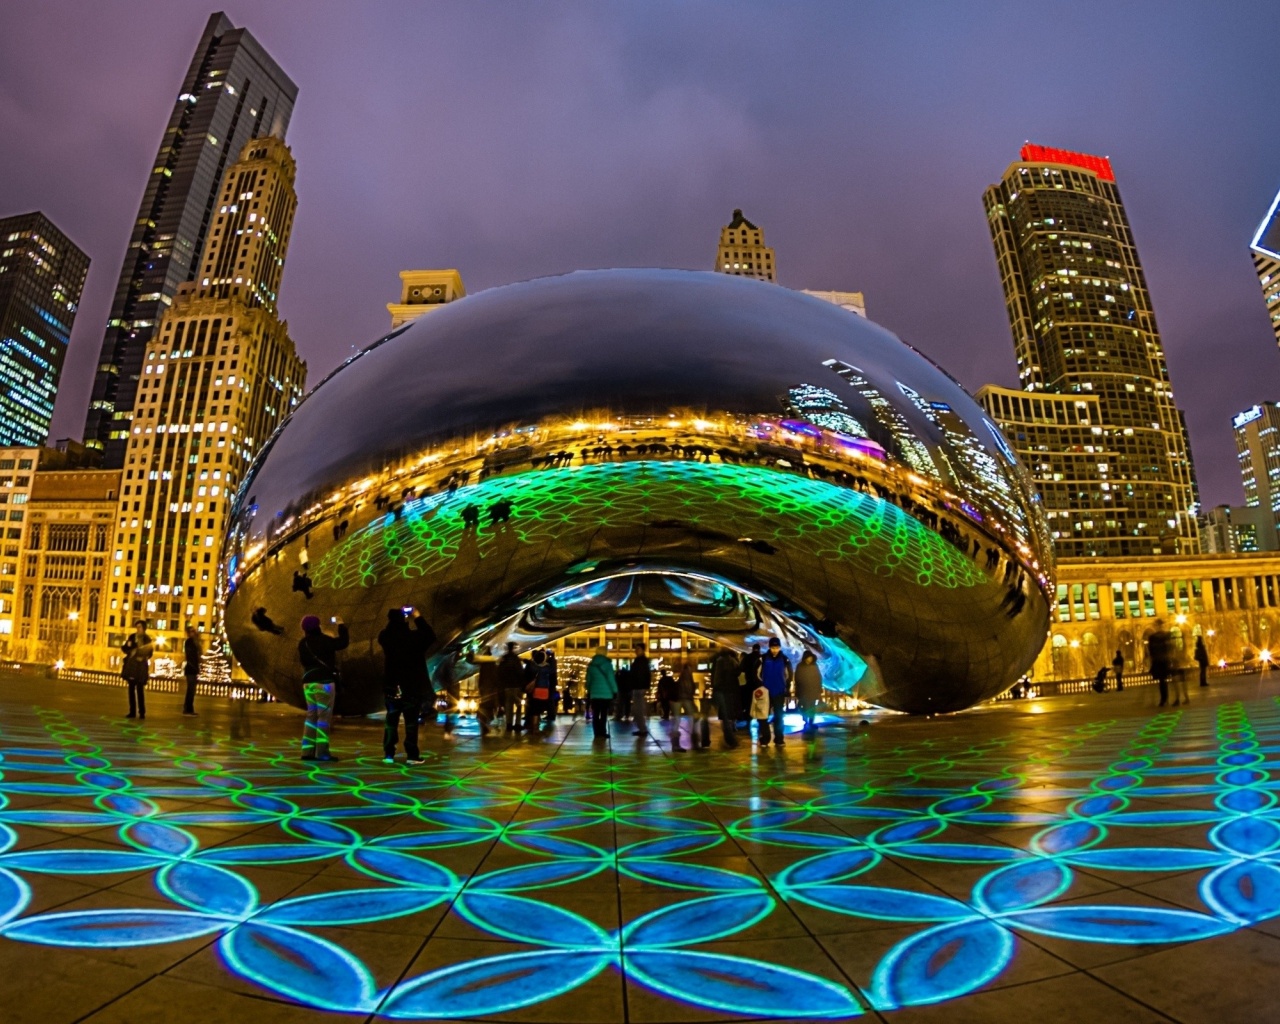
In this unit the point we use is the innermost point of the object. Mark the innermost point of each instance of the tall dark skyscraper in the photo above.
(41, 276)
(233, 92)
(1116, 476)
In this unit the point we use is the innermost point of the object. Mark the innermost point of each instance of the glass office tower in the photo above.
(42, 273)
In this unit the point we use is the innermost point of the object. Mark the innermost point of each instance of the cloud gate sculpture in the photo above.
(702, 451)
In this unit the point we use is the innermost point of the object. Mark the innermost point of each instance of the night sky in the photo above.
(517, 140)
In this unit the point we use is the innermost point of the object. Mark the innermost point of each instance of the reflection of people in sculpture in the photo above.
(500, 511)
(263, 621)
(470, 517)
(302, 584)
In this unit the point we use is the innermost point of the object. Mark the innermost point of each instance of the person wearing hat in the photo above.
(318, 652)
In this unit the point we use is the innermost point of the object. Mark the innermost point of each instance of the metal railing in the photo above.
(1063, 687)
(158, 684)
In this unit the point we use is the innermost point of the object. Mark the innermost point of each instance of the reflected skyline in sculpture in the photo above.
(611, 424)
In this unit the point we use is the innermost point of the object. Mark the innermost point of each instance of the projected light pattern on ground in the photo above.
(674, 873)
(828, 522)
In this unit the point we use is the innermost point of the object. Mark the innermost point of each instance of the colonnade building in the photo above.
(1105, 605)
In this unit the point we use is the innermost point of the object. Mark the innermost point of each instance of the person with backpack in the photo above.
(539, 689)
(136, 667)
(404, 679)
(318, 652)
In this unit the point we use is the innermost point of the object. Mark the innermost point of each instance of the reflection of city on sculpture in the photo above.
(720, 455)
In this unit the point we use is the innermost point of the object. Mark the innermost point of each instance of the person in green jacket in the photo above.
(602, 689)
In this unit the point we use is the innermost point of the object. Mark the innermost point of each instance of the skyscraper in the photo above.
(1083, 326)
(233, 92)
(1265, 250)
(41, 276)
(220, 374)
(742, 250)
(1257, 434)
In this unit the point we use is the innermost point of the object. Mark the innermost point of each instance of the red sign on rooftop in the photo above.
(1100, 165)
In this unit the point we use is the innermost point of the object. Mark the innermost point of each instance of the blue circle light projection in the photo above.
(531, 439)
(850, 834)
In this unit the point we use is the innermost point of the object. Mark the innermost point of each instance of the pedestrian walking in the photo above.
(1117, 665)
(318, 652)
(638, 679)
(191, 654)
(775, 676)
(404, 640)
(602, 689)
(1159, 645)
(724, 694)
(666, 692)
(136, 667)
(684, 705)
(511, 681)
(1202, 659)
(808, 688)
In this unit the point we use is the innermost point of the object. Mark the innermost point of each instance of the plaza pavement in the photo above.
(1089, 856)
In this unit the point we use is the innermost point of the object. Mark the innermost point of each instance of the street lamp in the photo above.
(73, 616)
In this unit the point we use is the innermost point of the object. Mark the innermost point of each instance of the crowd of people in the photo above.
(527, 693)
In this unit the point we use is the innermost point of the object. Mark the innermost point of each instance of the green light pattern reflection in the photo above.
(600, 862)
(807, 518)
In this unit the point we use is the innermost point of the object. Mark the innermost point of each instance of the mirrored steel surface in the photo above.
(669, 445)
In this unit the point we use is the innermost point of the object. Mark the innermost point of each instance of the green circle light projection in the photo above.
(644, 869)
(829, 523)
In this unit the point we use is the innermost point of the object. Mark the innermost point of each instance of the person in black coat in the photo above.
(191, 654)
(405, 680)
